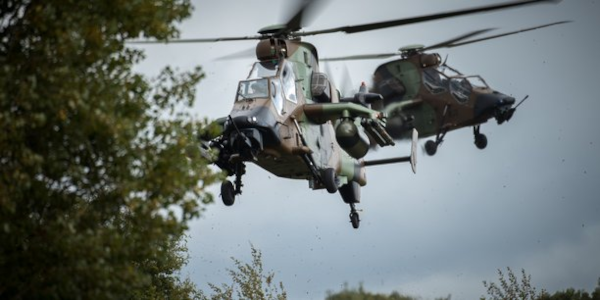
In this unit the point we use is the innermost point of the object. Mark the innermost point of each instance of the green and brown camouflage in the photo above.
(289, 119)
(419, 91)
(285, 123)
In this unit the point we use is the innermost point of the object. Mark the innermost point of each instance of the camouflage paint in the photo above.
(428, 114)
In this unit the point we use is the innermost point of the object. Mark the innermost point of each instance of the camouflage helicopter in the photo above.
(290, 120)
(420, 91)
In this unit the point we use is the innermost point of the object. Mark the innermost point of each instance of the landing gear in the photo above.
(329, 180)
(430, 147)
(351, 194)
(481, 141)
(228, 189)
(480, 138)
(354, 218)
(227, 193)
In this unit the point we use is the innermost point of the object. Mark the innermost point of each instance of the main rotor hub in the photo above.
(273, 29)
(410, 50)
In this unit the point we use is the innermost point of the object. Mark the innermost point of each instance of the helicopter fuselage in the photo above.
(441, 100)
(268, 126)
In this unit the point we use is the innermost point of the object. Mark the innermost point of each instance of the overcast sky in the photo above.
(528, 201)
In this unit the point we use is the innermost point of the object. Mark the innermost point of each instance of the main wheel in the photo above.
(355, 220)
(481, 141)
(329, 180)
(430, 147)
(227, 193)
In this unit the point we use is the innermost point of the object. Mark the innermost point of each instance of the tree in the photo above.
(100, 170)
(572, 294)
(248, 282)
(511, 288)
(360, 294)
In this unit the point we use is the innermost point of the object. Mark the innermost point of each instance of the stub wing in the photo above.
(372, 121)
(323, 112)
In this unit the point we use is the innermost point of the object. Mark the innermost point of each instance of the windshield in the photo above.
(444, 78)
(250, 89)
(434, 81)
(288, 79)
(477, 82)
(460, 88)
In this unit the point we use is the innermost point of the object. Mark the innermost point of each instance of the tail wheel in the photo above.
(227, 193)
(481, 141)
(355, 220)
(430, 147)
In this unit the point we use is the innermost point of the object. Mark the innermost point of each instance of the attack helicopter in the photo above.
(421, 91)
(289, 119)
(299, 132)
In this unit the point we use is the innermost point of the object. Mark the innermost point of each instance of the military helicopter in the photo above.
(420, 91)
(299, 132)
(290, 120)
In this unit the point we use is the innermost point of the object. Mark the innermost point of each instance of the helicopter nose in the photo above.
(506, 101)
(487, 103)
(496, 105)
(252, 129)
(504, 109)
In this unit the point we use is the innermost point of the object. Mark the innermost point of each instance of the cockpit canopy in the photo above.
(442, 79)
(252, 89)
(269, 81)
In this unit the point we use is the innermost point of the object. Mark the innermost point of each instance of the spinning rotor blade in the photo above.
(406, 21)
(347, 84)
(364, 56)
(247, 53)
(294, 24)
(451, 45)
(386, 55)
(296, 21)
(203, 40)
(456, 39)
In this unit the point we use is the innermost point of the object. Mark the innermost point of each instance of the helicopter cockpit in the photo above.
(273, 81)
(251, 89)
(440, 80)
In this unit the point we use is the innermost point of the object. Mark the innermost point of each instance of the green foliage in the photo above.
(511, 288)
(100, 172)
(572, 294)
(360, 294)
(249, 282)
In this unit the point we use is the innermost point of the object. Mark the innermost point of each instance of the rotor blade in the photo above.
(204, 40)
(363, 56)
(247, 53)
(406, 21)
(456, 39)
(330, 74)
(347, 84)
(501, 35)
(296, 21)
(446, 44)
